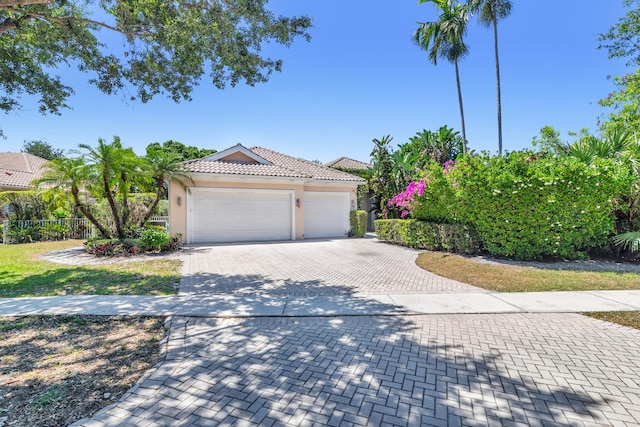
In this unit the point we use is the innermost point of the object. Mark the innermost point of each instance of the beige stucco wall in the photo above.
(178, 212)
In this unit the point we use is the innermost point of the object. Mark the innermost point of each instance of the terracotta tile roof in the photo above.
(239, 168)
(17, 170)
(347, 163)
(280, 165)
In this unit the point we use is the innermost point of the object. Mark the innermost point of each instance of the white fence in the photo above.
(22, 231)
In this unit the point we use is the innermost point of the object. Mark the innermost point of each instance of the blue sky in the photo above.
(361, 78)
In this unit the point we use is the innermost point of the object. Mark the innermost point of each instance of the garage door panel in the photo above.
(326, 214)
(240, 215)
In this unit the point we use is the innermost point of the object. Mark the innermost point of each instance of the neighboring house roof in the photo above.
(347, 163)
(259, 161)
(18, 170)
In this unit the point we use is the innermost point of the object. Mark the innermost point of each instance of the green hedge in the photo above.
(528, 207)
(428, 235)
(358, 222)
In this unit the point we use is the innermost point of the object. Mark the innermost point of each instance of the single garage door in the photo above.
(239, 215)
(326, 214)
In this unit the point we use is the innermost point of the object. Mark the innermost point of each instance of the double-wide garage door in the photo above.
(240, 215)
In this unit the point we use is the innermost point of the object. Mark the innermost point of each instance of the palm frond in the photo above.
(630, 240)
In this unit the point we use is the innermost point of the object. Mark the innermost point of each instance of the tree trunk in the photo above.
(464, 131)
(78, 205)
(112, 205)
(495, 41)
(125, 199)
(154, 205)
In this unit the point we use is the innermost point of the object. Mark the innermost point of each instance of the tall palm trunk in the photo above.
(464, 131)
(495, 42)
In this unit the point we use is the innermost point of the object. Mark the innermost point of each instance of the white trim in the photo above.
(191, 190)
(239, 148)
(334, 183)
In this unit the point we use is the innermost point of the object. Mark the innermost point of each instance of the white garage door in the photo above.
(326, 214)
(239, 215)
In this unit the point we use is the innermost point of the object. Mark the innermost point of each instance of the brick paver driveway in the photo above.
(475, 369)
(343, 266)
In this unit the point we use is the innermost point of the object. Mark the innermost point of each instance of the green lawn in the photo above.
(509, 278)
(23, 274)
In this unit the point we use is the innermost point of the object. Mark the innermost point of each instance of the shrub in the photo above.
(153, 240)
(413, 233)
(358, 221)
(23, 234)
(174, 243)
(111, 247)
(54, 231)
(529, 207)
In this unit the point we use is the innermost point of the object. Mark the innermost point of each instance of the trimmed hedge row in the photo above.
(457, 238)
(358, 222)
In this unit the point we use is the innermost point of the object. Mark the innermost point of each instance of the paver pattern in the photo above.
(313, 268)
(445, 370)
(510, 369)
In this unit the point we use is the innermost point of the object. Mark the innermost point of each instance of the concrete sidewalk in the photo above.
(314, 306)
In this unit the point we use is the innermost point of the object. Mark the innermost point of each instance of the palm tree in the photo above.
(445, 39)
(491, 11)
(71, 175)
(115, 166)
(164, 166)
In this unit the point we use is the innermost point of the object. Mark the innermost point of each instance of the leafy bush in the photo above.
(174, 243)
(112, 247)
(529, 207)
(413, 233)
(522, 205)
(438, 200)
(54, 231)
(24, 205)
(153, 239)
(358, 221)
(26, 234)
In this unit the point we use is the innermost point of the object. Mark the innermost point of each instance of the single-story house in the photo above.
(348, 164)
(256, 194)
(18, 170)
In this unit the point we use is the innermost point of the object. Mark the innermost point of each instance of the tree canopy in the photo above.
(179, 150)
(42, 149)
(164, 47)
(623, 41)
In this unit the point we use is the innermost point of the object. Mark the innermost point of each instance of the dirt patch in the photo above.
(57, 370)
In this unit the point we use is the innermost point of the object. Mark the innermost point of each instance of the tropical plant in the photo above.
(115, 167)
(629, 240)
(109, 172)
(491, 11)
(74, 177)
(445, 39)
(164, 167)
(381, 179)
